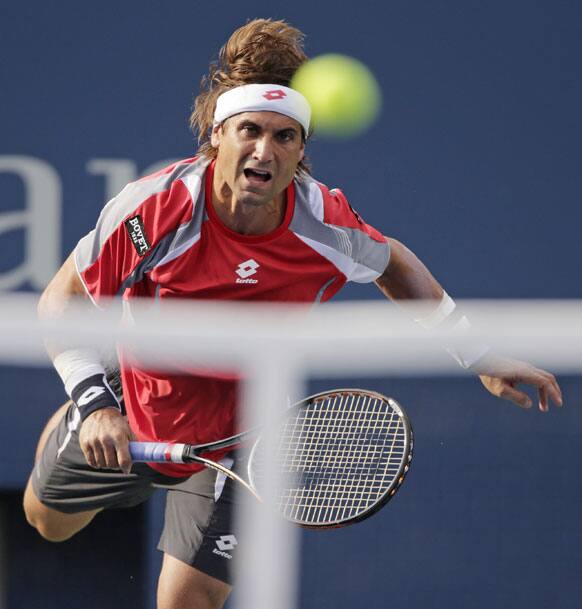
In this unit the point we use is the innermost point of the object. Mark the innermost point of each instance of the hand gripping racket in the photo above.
(341, 456)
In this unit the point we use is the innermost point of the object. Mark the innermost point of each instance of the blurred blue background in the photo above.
(474, 164)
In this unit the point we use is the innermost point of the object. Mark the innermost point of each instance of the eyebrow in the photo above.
(248, 123)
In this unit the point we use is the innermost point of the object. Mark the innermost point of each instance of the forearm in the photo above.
(79, 365)
(407, 279)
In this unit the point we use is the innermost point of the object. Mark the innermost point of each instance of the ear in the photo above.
(302, 151)
(216, 135)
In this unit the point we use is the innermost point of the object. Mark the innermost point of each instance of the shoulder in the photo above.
(172, 190)
(324, 202)
(148, 209)
(326, 221)
(329, 205)
(184, 177)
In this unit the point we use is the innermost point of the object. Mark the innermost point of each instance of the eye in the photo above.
(249, 129)
(287, 136)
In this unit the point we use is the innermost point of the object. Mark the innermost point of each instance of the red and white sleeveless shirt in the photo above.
(161, 238)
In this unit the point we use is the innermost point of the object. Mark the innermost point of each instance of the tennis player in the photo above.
(242, 220)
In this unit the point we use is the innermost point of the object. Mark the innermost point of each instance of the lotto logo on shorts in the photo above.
(226, 542)
(245, 270)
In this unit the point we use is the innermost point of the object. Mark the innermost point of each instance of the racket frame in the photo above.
(397, 480)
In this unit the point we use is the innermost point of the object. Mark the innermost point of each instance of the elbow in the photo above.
(43, 306)
(52, 300)
(57, 294)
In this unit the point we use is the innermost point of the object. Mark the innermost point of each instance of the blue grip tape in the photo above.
(149, 451)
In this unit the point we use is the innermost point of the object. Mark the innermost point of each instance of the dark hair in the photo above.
(262, 51)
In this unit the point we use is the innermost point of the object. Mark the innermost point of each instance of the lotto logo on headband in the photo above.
(276, 94)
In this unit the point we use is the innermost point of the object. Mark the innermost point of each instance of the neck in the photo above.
(246, 216)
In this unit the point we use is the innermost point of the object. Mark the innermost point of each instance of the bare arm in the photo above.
(104, 435)
(63, 288)
(407, 278)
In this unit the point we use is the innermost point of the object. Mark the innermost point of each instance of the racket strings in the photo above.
(346, 483)
(338, 456)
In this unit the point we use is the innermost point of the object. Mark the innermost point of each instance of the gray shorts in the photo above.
(198, 519)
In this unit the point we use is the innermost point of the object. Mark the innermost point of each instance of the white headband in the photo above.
(260, 98)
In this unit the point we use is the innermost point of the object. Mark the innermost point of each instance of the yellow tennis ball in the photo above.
(343, 93)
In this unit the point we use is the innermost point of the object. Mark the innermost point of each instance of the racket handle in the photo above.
(156, 452)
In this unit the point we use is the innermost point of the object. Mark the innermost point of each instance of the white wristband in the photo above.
(460, 325)
(76, 365)
(469, 354)
(439, 315)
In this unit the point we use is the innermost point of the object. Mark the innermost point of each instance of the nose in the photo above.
(263, 151)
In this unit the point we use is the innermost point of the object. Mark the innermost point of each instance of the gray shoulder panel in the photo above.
(369, 257)
(178, 241)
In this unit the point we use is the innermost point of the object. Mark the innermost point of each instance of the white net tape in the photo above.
(367, 337)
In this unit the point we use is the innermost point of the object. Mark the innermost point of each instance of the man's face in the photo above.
(258, 154)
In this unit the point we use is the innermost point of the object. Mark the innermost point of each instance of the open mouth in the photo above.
(258, 175)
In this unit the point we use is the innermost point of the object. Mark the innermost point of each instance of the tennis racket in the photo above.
(341, 456)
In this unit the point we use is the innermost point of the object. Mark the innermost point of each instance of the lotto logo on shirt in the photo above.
(245, 270)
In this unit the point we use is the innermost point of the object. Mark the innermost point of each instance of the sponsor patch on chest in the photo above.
(136, 232)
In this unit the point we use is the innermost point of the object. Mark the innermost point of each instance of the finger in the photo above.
(99, 457)
(543, 399)
(96, 457)
(542, 380)
(122, 454)
(89, 456)
(124, 458)
(110, 455)
(554, 391)
(548, 385)
(516, 396)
